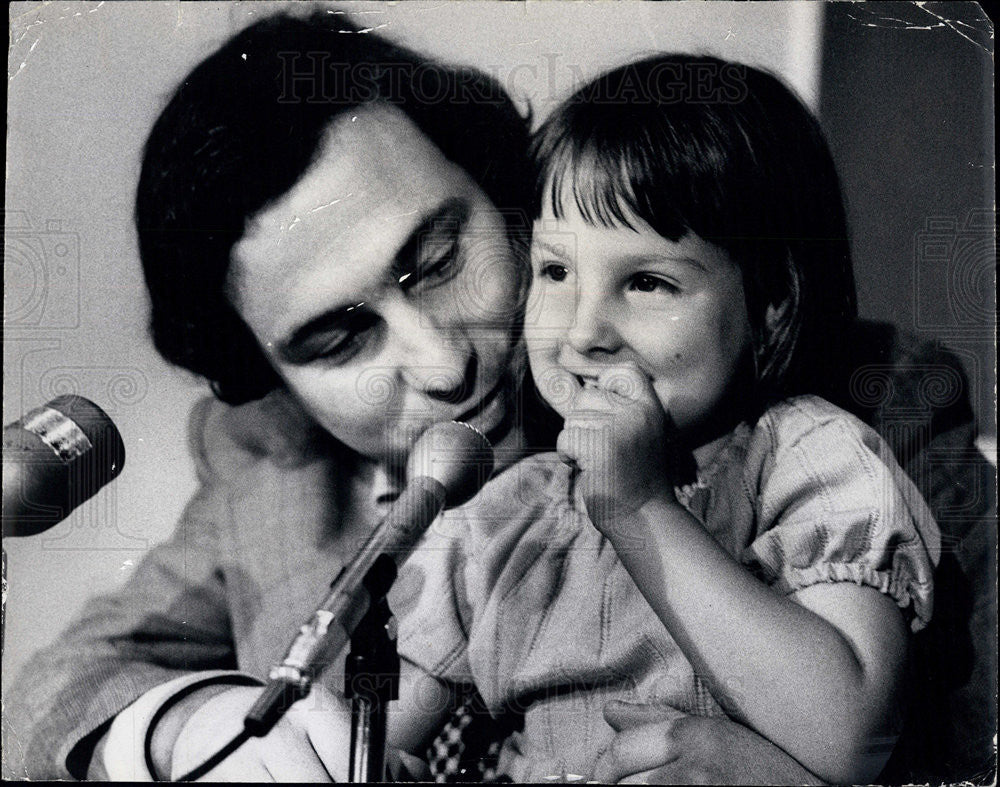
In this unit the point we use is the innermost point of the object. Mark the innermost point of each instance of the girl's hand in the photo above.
(616, 435)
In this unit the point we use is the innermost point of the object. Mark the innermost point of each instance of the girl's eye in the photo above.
(645, 282)
(553, 271)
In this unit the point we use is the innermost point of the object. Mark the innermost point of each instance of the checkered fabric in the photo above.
(467, 748)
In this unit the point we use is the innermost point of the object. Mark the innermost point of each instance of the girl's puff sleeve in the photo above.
(833, 505)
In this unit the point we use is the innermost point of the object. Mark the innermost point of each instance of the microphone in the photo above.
(54, 458)
(447, 466)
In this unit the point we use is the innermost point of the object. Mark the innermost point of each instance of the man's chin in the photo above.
(396, 444)
(488, 415)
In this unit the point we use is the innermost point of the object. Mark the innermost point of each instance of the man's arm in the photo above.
(169, 620)
(310, 743)
(658, 745)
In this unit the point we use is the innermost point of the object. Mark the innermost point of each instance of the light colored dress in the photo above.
(522, 597)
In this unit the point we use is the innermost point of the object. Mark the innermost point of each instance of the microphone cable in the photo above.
(196, 773)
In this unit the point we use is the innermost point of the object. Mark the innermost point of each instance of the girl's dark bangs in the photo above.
(614, 180)
(601, 187)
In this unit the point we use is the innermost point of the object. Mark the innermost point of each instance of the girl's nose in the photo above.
(593, 328)
(434, 359)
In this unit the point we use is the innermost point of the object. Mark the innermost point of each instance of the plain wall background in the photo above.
(85, 84)
(908, 109)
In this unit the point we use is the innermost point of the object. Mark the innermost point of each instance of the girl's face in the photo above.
(602, 297)
(382, 288)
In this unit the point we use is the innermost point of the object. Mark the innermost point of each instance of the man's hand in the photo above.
(309, 744)
(660, 745)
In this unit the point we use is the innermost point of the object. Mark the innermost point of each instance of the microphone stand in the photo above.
(371, 678)
(440, 472)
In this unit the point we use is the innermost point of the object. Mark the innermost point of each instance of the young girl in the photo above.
(717, 539)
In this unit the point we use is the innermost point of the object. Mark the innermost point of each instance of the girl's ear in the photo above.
(775, 315)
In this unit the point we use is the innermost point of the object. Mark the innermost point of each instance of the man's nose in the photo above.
(593, 329)
(437, 360)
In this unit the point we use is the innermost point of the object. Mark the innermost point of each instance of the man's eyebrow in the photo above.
(451, 212)
(447, 218)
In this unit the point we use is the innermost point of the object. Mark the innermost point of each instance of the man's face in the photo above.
(382, 287)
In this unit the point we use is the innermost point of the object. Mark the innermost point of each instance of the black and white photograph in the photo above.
(595, 391)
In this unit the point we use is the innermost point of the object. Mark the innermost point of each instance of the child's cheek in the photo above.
(545, 371)
(664, 393)
(550, 311)
(554, 383)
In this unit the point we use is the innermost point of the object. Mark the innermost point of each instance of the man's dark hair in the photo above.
(697, 144)
(243, 128)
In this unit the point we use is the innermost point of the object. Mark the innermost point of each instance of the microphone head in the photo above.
(54, 458)
(456, 455)
(99, 429)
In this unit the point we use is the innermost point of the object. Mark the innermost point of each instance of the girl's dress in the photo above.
(533, 606)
